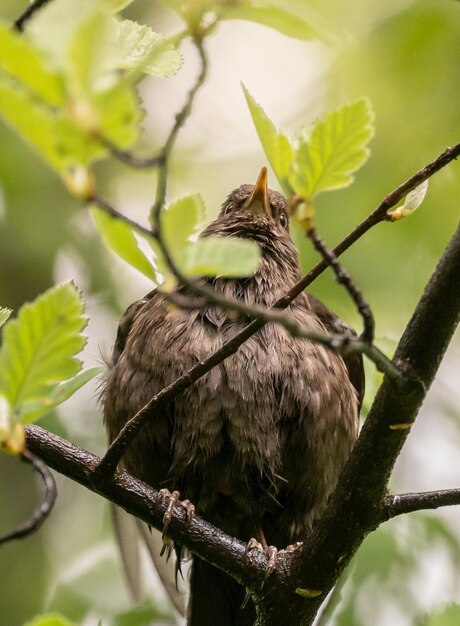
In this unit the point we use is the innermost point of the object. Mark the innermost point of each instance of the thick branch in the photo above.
(356, 506)
(141, 500)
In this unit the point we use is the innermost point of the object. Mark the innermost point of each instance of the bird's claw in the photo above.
(253, 544)
(270, 551)
(173, 498)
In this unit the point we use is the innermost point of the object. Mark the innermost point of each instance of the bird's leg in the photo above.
(260, 544)
(173, 498)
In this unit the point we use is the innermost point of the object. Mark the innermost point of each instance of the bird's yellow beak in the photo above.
(258, 201)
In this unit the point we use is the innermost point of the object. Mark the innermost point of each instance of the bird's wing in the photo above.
(130, 531)
(354, 361)
(126, 322)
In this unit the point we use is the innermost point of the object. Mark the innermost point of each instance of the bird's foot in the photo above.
(173, 498)
(270, 551)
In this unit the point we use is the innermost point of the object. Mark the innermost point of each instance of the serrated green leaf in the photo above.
(336, 146)
(119, 237)
(277, 146)
(32, 411)
(4, 315)
(50, 619)
(143, 50)
(23, 62)
(56, 137)
(279, 18)
(181, 220)
(221, 256)
(39, 346)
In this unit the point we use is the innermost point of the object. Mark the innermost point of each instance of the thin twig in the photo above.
(131, 159)
(46, 505)
(33, 7)
(345, 279)
(181, 117)
(395, 505)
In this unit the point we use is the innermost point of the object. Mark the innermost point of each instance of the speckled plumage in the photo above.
(259, 441)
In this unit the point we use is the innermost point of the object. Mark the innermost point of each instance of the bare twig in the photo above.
(131, 159)
(395, 505)
(344, 278)
(33, 7)
(181, 117)
(46, 505)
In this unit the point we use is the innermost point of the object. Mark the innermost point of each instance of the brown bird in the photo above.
(258, 443)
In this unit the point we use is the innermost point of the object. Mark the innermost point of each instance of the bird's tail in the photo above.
(216, 599)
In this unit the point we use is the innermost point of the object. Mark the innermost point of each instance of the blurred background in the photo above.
(405, 56)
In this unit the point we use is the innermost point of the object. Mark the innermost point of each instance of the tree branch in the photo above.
(344, 278)
(356, 506)
(25, 16)
(181, 118)
(395, 505)
(143, 501)
(45, 507)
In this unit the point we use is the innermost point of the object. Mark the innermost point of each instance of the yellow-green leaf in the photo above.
(278, 18)
(221, 256)
(24, 63)
(143, 50)
(39, 346)
(119, 237)
(277, 146)
(331, 151)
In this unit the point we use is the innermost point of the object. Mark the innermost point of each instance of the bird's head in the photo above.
(258, 213)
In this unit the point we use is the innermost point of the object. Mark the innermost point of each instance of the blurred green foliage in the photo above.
(405, 57)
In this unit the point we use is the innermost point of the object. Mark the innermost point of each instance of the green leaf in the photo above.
(50, 619)
(93, 54)
(181, 220)
(4, 315)
(277, 146)
(23, 62)
(221, 256)
(39, 346)
(143, 50)
(333, 149)
(32, 411)
(119, 237)
(118, 115)
(53, 29)
(56, 137)
(279, 18)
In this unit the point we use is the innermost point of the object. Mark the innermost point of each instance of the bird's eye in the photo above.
(283, 220)
(227, 208)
